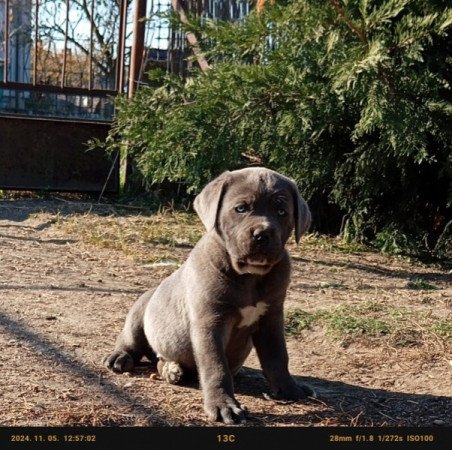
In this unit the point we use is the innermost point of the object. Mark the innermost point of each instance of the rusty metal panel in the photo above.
(43, 154)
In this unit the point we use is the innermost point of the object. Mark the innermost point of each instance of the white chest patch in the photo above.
(251, 314)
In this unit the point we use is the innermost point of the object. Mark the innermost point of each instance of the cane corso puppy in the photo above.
(227, 297)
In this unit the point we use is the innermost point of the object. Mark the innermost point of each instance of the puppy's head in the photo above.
(254, 210)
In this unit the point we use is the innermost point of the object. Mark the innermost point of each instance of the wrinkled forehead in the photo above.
(258, 186)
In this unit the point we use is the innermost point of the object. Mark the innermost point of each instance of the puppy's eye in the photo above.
(242, 208)
(282, 212)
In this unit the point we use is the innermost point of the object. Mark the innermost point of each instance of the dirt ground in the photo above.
(63, 300)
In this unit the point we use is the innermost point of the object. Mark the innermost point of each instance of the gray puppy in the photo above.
(227, 297)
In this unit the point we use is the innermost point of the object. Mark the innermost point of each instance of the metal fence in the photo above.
(61, 58)
(67, 58)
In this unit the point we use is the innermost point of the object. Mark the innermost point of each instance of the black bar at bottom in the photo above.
(227, 437)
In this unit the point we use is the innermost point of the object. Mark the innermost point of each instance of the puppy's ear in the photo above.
(302, 218)
(301, 212)
(208, 202)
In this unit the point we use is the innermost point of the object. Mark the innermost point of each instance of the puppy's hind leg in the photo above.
(170, 371)
(131, 344)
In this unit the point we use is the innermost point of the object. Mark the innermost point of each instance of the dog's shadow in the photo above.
(336, 404)
(342, 404)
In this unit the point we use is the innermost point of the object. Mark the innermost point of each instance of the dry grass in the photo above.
(147, 239)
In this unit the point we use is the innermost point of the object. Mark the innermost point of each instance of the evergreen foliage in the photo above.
(350, 98)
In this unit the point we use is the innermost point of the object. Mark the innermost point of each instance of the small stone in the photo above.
(438, 422)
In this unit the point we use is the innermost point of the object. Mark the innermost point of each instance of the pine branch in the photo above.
(190, 36)
(360, 33)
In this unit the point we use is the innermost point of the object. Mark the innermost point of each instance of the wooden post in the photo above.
(136, 61)
(136, 57)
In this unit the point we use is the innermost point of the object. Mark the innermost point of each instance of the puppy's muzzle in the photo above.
(265, 242)
(264, 250)
(262, 236)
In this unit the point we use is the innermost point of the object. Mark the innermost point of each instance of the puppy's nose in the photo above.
(262, 235)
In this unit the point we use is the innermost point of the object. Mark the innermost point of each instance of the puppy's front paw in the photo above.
(225, 409)
(293, 391)
(119, 361)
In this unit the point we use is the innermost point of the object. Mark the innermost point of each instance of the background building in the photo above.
(19, 40)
